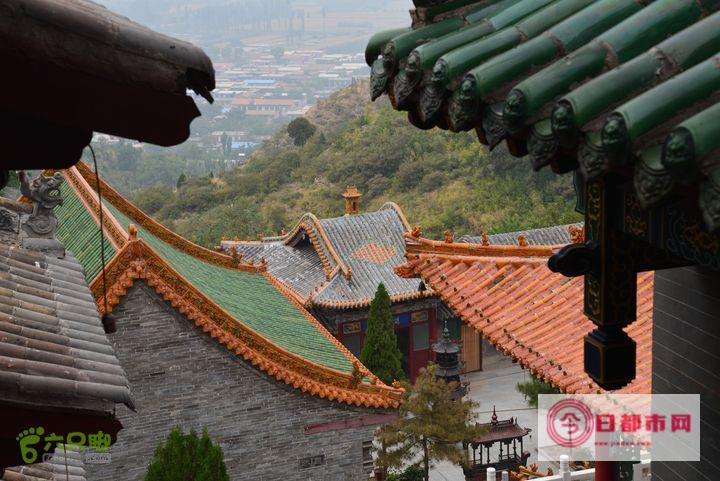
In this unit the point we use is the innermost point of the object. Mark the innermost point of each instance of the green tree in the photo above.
(300, 130)
(430, 426)
(380, 352)
(182, 179)
(531, 389)
(187, 457)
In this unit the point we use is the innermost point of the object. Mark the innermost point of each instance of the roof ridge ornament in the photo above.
(39, 227)
(577, 234)
(522, 242)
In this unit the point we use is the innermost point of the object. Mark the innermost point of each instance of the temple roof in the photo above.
(508, 294)
(544, 236)
(337, 263)
(607, 86)
(65, 464)
(501, 430)
(55, 353)
(237, 302)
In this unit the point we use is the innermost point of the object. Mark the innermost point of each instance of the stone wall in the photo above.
(686, 360)
(180, 376)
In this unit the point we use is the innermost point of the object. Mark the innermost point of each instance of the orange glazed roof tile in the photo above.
(508, 294)
(237, 303)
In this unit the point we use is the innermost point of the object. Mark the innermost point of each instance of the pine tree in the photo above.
(380, 352)
(430, 425)
(531, 389)
(182, 179)
(300, 130)
(186, 457)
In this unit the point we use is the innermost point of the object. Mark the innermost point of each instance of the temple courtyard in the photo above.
(495, 386)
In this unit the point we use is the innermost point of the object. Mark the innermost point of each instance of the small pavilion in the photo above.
(508, 434)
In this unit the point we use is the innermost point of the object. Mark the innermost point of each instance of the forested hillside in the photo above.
(442, 180)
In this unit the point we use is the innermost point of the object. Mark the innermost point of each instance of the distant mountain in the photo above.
(441, 180)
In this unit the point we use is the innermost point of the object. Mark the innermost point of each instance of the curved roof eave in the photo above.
(136, 259)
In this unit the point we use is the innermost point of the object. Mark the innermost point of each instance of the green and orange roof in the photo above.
(624, 87)
(238, 303)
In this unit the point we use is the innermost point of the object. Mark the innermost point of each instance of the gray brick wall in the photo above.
(181, 376)
(686, 359)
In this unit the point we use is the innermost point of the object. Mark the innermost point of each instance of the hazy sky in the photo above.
(345, 24)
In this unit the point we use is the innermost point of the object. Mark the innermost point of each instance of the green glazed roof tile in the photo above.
(251, 299)
(590, 85)
(80, 234)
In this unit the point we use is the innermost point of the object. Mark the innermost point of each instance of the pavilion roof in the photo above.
(504, 430)
(508, 294)
(622, 86)
(337, 263)
(238, 303)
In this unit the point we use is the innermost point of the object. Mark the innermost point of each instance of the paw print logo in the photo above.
(27, 439)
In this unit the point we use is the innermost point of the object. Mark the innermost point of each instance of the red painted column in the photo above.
(606, 471)
(434, 328)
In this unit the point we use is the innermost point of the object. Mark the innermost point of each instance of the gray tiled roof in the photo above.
(298, 267)
(369, 244)
(349, 234)
(554, 235)
(64, 465)
(55, 351)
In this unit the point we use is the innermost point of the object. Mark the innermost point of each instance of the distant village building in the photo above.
(265, 106)
(334, 266)
(211, 341)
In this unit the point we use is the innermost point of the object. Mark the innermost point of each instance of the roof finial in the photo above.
(485, 239)
(352, 200)
(132, 232)
(449, 236)
(521, 240)
(282, 231)
(494, 418)
(416, 231)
